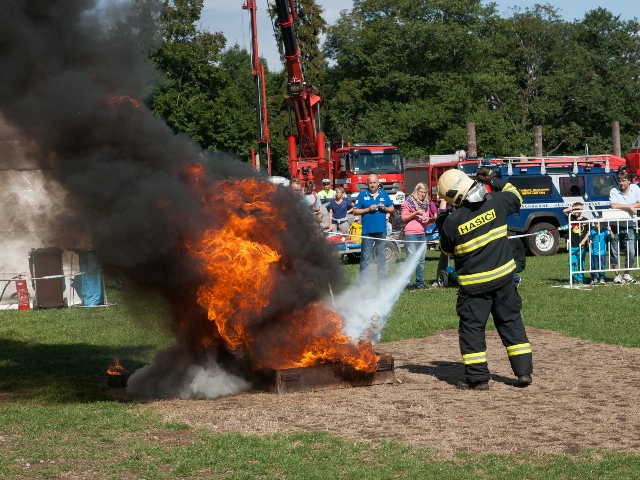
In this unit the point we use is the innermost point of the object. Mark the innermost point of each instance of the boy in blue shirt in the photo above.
(599, 236)
(579, 236)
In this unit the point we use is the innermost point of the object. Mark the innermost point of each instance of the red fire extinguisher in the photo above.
(23, 294)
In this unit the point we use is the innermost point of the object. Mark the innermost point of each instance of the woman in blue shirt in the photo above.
(338, 209)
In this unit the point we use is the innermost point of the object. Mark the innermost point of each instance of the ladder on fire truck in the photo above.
(587, 161)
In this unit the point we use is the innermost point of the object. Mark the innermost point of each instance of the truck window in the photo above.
(602, 185)
(539, 186)
(377, 163)
(572, 186)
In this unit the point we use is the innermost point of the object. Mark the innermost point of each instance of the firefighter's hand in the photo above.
(482, 179)
(497, 184)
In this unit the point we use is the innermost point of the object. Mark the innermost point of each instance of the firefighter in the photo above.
(475, 234)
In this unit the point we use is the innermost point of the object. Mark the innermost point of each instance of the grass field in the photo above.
(58, 419)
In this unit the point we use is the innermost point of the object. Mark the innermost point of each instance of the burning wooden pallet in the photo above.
(327, 376)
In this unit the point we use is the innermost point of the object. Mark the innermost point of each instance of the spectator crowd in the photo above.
(603, 243)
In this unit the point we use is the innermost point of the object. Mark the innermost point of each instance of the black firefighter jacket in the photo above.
(476, 235)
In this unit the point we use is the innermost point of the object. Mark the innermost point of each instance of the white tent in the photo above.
(29, 203)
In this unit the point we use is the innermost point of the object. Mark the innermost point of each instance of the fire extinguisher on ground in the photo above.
(23, 294)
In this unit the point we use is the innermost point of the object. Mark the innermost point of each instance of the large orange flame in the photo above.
(240, 269)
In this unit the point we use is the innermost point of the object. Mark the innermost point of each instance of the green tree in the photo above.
(206, 91)
(542, 70)
(610, 86)
(412, 72)
(202, 88)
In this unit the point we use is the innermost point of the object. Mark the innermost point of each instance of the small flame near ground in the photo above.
(240, 267)
(116, 368)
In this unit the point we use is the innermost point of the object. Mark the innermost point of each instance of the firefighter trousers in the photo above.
(505, 305)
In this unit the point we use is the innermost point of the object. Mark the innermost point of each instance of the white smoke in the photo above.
(366, 309)
(174, 372)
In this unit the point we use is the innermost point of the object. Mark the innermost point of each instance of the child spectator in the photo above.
(355, 230)
(312, 197)
(579, 237)
(599, 237)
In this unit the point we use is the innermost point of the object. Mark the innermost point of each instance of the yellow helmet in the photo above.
(453, 186)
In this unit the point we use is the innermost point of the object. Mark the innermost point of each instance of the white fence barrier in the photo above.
(612, 246)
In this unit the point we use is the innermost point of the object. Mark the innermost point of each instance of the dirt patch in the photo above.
(584, 396)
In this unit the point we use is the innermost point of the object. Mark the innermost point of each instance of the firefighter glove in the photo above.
(497, 184)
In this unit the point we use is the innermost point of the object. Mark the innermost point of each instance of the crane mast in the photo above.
(307, 156)
(257, 70)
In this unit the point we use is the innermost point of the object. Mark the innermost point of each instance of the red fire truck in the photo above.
(428, 169)
(346, 166)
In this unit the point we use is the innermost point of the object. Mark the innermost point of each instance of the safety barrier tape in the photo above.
(396, 240)
(564, 227)
(24, 276)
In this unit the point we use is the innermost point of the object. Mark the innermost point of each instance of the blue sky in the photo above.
(228, 17)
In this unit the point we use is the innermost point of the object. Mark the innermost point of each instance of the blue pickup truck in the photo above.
(549, 185)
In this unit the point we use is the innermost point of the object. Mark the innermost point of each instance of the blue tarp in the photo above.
(89, 285)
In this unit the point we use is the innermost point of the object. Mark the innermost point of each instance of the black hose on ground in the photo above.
(5, 287)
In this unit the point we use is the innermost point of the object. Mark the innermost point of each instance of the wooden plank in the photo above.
(327, 377)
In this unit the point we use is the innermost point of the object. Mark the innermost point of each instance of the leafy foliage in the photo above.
(611, 78)
(407, 72)
(413, 73)
(204, 91)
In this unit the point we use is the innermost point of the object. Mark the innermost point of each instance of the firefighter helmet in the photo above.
(453, 186)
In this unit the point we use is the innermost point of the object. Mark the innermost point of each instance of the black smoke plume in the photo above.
(70, 90)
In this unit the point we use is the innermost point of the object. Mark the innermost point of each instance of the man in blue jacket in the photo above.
(373, 205)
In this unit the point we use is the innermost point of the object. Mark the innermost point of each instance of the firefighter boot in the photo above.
(524, 380)
(472, 386)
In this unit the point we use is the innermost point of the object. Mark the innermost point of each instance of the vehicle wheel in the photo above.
(35, 305)
(442, 279)
(543, 244)
(391, 252)
(65, 304)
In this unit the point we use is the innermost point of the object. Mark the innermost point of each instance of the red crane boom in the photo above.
(260, 92)
(307, 155)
